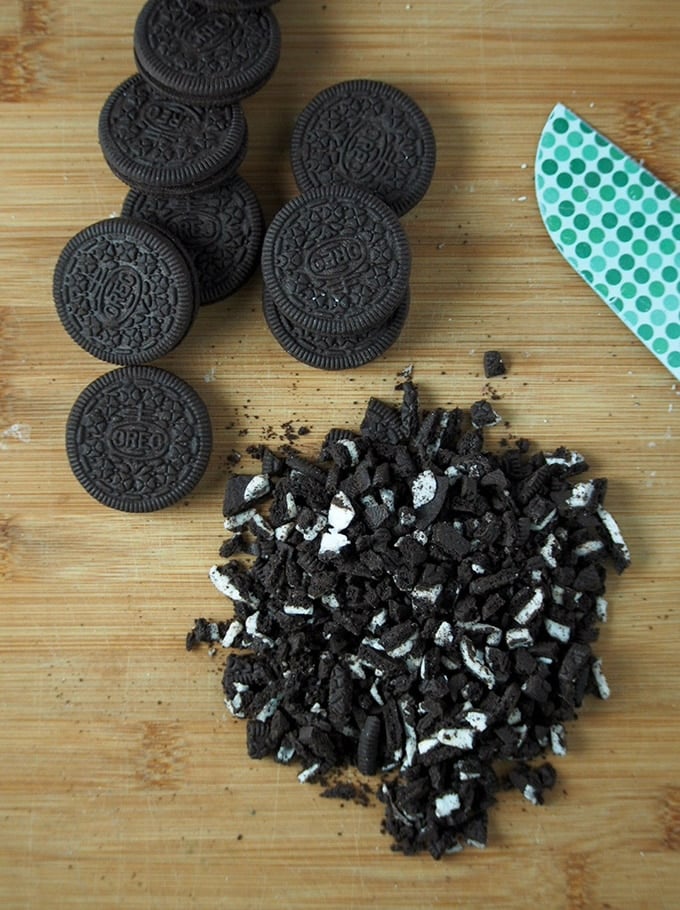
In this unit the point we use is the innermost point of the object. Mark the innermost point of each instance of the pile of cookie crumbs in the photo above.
(417, 607)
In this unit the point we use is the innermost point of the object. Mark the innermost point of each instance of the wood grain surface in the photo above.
(124, 782)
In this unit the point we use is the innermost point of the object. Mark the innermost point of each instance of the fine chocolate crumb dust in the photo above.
(413, 606)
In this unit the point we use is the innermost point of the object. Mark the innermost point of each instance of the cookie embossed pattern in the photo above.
(617, 225)
(125, 291)
(204, 55)
(222, 231)
(162, 145)
(369, 134)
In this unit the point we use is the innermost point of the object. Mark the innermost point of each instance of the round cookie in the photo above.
(157, 144)
(336, 260)
(200, 54)
(126, 292)
(334, 352)
(138, 439)
(369, 134)
(221, 230)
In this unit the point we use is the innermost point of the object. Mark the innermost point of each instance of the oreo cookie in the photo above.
(202, 54)
(334, 352)
(157, 144)
(221, 230)
(138, 439)
(125, 291)
(369, 134)
(336, 261)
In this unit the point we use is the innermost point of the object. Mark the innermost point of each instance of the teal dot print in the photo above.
(618, 225)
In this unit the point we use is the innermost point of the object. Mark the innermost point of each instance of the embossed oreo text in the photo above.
(137, 440)
(337, 258)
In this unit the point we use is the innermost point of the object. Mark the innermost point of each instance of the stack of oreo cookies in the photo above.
(174, 132)
(335, 268)
(335, 260)
(128, 289)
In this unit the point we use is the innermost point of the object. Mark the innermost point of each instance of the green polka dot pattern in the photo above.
(616, 225)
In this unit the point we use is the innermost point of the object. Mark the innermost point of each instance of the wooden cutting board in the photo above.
(123, 780)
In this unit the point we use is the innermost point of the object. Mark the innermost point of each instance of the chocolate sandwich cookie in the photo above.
(138, 439)
(369, 134)
(222, 231)
(336, 261)
(157, 144)
(206, 55)
(125, 291)
(334, 352)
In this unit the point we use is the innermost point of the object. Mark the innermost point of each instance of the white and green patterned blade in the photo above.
(617, 225)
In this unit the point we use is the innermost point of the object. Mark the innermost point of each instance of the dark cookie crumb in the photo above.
(417, 607)
(348, 792)
(493, 364)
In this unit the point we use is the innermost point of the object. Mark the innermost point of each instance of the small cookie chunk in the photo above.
(483, 415)
(160, 145)
(336, 261)
(206, 55)
(369, 744)
(369, 134)
(493, 364)
(125, 291)
(138, 439)
(242, 491)
(222, 231)
(333, 352)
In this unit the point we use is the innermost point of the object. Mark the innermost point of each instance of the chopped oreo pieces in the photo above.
(419, 608)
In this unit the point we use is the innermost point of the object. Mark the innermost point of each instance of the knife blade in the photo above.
(617, 225)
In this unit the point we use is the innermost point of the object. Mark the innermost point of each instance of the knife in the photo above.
(617, 225)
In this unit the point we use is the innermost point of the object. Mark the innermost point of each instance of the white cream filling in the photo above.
(340, 512)
(530, 608)
(225, 585)
(257, 486)
(423, 488)
(446, 804)
(235, 522)
(557, 630)
(558, 739)
(603, 689)
(473, 661)
(614, 531)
